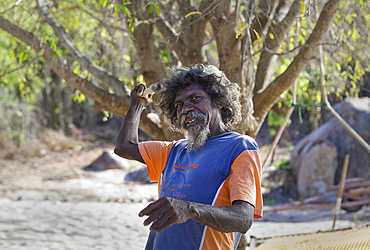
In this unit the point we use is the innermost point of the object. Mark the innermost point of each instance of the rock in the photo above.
(318, 165)
(108, 160)
(317, 149)
(138, 174)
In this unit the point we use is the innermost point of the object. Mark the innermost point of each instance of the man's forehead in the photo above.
(189, 91)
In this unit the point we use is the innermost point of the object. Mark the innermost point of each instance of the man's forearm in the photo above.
(167, 211)
(127, 139)
(129, 129)
(235, 218)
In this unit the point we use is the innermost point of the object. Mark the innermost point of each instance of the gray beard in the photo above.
(197, 136)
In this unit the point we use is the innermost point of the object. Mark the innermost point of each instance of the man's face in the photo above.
(195, 114)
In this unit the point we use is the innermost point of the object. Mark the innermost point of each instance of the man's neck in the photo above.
(218, 130)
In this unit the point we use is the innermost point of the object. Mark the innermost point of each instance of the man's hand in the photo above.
(165, 212)
(138, 99)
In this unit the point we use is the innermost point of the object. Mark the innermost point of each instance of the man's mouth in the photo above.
(190, 121)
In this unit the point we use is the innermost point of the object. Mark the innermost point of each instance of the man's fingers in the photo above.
(162, 214)
(154, 216)
(152, 207)
(165, 225)
(162, 219)
(140, 90)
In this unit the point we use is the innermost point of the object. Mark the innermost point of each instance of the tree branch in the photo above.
(228, 46)
(67, 43)
(266, 64)
(294, 49)
(265, 100)
(104, 24)
(22, 66)
(262, 18)
(118, 105)
(188, 41)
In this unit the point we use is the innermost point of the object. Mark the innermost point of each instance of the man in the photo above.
(209, 184)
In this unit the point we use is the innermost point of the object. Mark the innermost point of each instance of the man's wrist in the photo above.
(193, 211)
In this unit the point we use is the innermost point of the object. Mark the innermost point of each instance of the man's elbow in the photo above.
(122, 152)
(128, 151)
(246, 225)
(245, 213)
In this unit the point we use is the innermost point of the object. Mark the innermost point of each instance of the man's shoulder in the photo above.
(157, 144)
(240, 140)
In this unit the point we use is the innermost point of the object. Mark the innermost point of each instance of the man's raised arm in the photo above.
(127, 140)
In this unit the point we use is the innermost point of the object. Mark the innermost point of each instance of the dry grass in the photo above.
(50, 141)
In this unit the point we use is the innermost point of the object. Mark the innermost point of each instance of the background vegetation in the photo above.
(64, 62)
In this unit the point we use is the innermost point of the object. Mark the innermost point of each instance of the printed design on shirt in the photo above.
(177, 181)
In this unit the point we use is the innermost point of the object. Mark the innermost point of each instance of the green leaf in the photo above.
(355, 35)
(126, 11)
(303, 7)
(140, 78)
(157, 10)
(127, 58)
(193, 13)
(338, 66)
(52, 44)
(240, 28)
(20, 58)
(258, 36)
(151, 9)
(104, 3)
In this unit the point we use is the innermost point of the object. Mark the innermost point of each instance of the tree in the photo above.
(249, 41)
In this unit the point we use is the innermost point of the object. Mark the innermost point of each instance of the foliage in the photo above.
(16, 119)
(346, 59)
(282, 165)
(23, 77)
(114, 35)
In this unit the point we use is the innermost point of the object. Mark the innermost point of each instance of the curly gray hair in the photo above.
(213, 81)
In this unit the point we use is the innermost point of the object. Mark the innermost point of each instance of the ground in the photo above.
(51, 202)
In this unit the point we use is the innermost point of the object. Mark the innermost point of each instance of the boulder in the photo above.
(108, 160)
(318, 166)
(138, 174)
(316, 155)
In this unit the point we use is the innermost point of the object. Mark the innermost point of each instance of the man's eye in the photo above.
(195, 98)
(178, 106)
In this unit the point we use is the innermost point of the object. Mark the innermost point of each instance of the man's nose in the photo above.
(187, 106)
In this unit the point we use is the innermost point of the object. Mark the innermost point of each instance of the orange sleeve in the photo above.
(245, 180)
(155, 155)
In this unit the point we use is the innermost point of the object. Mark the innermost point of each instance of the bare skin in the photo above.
(167, 211)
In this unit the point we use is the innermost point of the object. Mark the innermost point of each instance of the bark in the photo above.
(266, 63)
(144, 40)
(259, 24)
(148, 53)
(228, 46)
(246, 69)
(188, 41)
(264, 101)
(116, 104)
